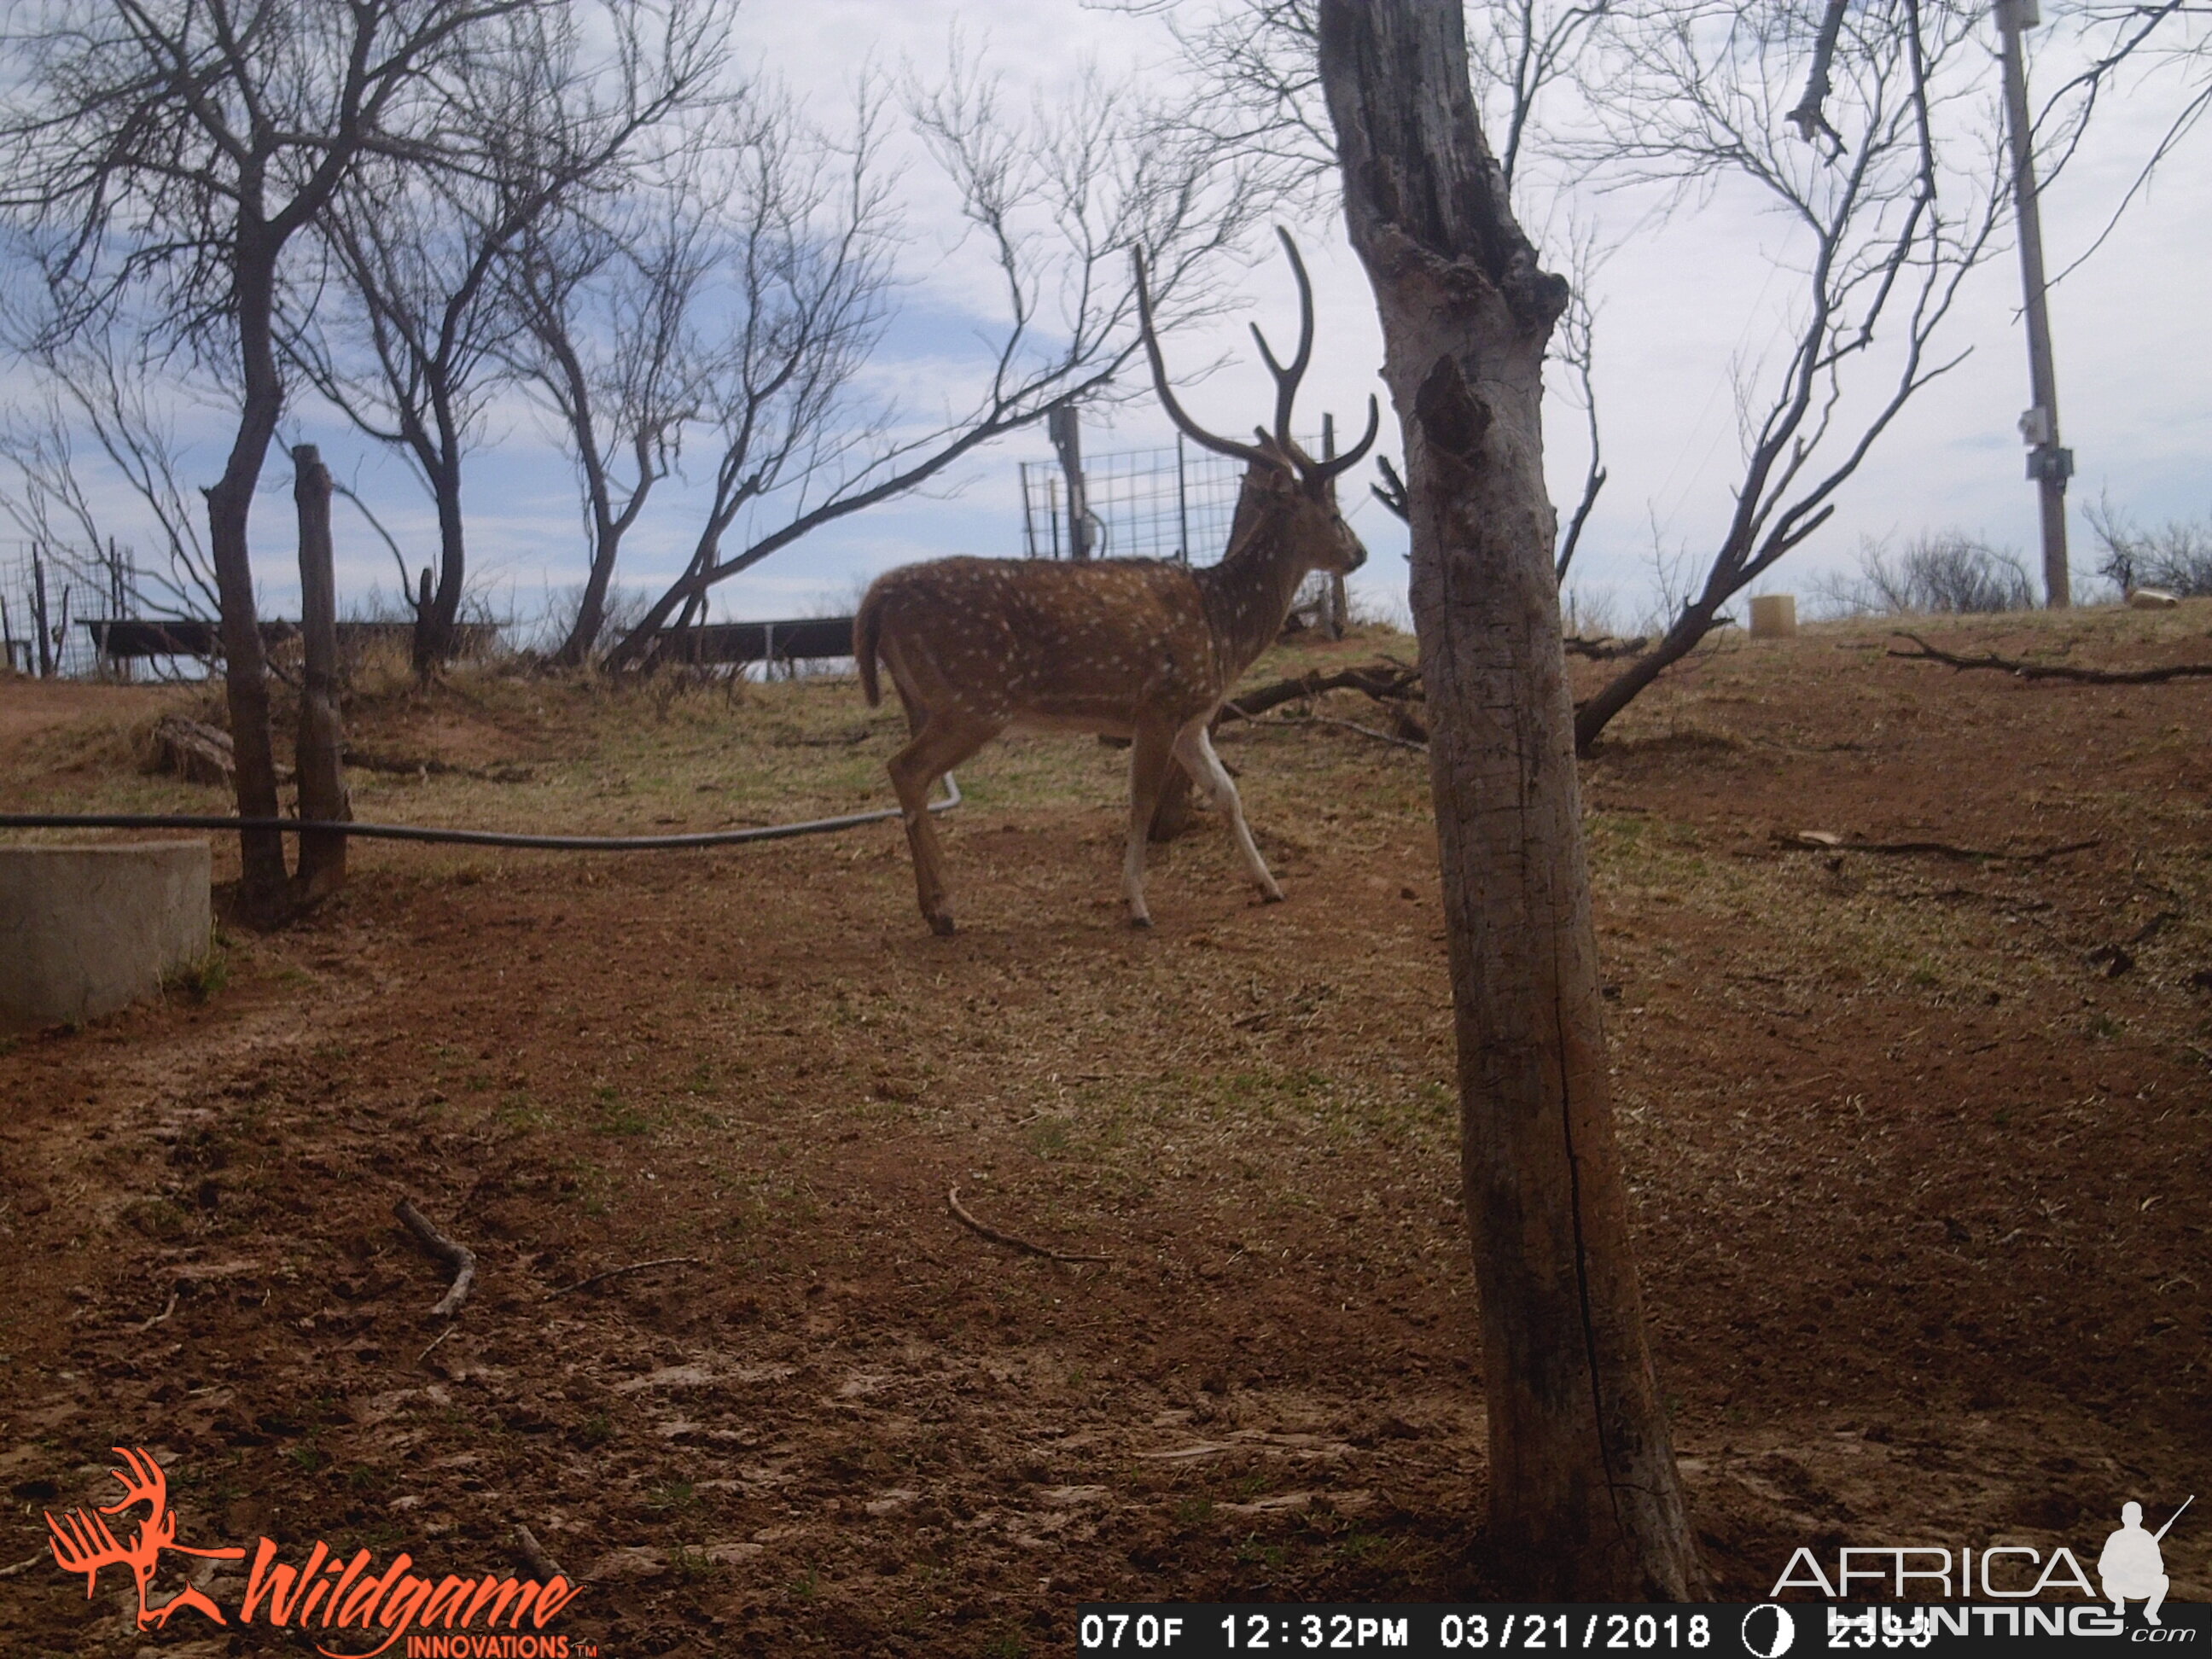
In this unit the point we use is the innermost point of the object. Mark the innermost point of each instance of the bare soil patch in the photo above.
(1920, 1145)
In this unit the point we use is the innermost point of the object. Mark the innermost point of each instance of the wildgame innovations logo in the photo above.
(1999, 1583)
(476, 1617)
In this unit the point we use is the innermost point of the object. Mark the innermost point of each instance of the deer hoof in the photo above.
(942, 926)
(1144, 922)
(1271, 895)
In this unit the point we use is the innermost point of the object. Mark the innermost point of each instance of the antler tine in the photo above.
(144, 1481)
(1322, 472)
(80, 1539)
(1197, 434)
(1286, 380)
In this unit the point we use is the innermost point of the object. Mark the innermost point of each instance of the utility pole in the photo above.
(2048, 464)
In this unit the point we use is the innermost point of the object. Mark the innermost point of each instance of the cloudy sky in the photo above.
(1688, 306)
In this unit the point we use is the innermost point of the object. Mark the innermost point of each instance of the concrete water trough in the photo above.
(87, 930)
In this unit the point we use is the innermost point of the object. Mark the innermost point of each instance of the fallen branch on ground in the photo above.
(1605, 648)
(162, 1317)
(533, 1555)
(842, 740)
(362, 760)
(2051, 671)
(634, 1267)
(457, 1256)
(22, 1567)
(1819, 840)
(1385, 682)
(960, 1213)
(195, 750)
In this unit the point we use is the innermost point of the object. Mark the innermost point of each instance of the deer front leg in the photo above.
(1195, 751)
(1151, 751)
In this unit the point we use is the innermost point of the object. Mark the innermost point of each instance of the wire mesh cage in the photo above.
(1169, 503)
(1172, 503)
(46, 592)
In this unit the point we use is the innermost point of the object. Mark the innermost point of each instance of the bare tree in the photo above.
(1585, 1502)
(419, 345)
(1885, 220)
(177, 148)
(47, 496)
(2176, 557)
(1051, 198)
(1942, 572)
(100, 385)
(1260, 96)
(798, 280)
(606, 300)
(1574, 348)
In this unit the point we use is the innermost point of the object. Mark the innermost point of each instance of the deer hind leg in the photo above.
(938, 746)
(1195, 751)
(1152, 752)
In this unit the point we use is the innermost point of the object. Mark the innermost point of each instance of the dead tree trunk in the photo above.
(264, 885)
(321, 743)
(437, 612)
(1585, 1504)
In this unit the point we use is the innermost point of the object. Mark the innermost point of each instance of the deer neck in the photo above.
(1249, 594)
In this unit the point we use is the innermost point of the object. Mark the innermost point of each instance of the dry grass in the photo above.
(1919, 1178)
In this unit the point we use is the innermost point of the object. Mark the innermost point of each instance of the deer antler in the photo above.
(1197, 434)
(1276, 448)
(145, 1483)
(1286, 380)
(1320, 473)
(84, 1544)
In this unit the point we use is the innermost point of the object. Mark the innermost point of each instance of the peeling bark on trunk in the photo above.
(1585, 1502)
(265, 895)
(321, 743)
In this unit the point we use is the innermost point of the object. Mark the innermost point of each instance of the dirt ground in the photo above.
(1921, 1146)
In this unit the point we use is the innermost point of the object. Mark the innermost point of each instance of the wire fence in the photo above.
(1169, 503)
(1173, 503)
(47, 591)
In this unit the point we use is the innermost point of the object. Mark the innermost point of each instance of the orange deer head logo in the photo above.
(84, 1543)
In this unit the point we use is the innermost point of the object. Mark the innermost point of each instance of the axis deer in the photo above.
(1143, 649)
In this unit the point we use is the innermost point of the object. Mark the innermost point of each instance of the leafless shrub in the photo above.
(1590, 612)
(2176, 556)
(1943, 571)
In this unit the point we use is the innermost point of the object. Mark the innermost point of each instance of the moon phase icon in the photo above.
(1768, 1631)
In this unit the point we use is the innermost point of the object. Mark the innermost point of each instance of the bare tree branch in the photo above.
(170, 151)
(420, 340)
(1886, 229)
(1051, 198)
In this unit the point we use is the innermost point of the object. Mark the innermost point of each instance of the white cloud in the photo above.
(1681, 305)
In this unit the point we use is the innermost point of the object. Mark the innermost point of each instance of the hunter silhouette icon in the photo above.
(2131, 1567)
(84, 1543)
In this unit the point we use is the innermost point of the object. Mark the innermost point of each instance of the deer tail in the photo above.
(867, 629)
